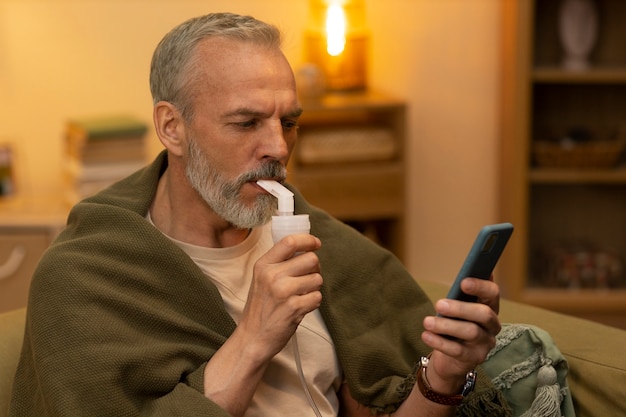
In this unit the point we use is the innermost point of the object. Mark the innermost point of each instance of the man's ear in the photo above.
(170, 127)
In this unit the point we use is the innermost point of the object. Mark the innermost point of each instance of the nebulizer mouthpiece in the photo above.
(285, 223)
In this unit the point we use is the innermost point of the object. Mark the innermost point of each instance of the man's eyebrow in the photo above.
(296, 113)
(255, 113)
(245, 112)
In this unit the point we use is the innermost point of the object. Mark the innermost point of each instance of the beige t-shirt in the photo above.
(280, 392)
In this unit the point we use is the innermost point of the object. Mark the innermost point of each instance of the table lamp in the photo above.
(336, 42)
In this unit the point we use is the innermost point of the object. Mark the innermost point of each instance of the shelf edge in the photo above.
(569, 301)
(574, 176)
(598, 75)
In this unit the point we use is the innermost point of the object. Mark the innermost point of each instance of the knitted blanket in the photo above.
(121, 322)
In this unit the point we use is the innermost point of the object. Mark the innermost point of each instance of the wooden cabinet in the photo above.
(26, 229)
(568, 252)
(349, 161)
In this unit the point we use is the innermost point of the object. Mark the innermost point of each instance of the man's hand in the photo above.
(460, 340)
(473, 328)
(284, 289)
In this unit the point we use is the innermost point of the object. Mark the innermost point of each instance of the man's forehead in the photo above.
(221, 48)
(225, 60)
(246, 78)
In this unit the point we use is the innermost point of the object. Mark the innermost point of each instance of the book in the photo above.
(77, 172)
(106, 138)
(102, 150)
(84, 180)
(104, 128)
(118, 149)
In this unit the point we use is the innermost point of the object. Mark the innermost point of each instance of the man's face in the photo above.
(222, 194)
(244, 128)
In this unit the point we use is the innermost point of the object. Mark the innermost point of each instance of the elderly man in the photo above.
(165, 295)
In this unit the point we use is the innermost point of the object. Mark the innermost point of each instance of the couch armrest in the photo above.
(11, 336)
(594, 352)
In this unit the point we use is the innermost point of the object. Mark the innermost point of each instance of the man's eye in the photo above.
(247, 124)
(290, 124)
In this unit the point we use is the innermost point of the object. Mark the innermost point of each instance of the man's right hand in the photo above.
(284, 289)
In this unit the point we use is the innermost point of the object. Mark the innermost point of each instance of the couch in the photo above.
(596, 354)
(11, 335)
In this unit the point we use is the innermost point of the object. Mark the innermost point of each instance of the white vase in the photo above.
(578, 32)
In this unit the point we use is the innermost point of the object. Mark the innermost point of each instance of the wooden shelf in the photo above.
(354, 192)
(557, 75)
(345, 102)
(571, 176)
(364, 189)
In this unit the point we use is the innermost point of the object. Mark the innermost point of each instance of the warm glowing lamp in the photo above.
(335, 30)
(336, 43)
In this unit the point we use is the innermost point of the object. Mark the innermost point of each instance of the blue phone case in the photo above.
(482, 257)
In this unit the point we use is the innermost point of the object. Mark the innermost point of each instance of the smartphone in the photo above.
(482, 257)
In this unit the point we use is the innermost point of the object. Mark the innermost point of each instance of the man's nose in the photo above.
(274, 143)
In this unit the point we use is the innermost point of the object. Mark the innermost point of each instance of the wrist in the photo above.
(439, 376)
(250, 350)
(443, 391)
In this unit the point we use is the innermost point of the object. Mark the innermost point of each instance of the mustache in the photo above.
(270, 170)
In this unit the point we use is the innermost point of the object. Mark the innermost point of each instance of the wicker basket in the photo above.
(593, 154)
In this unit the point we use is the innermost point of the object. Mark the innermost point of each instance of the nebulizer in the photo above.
(285, 224)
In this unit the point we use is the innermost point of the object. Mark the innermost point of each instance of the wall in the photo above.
(63, 58)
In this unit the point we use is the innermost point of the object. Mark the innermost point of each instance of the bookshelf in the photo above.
(563, 214)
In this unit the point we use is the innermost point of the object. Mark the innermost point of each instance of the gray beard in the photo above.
(223, 196)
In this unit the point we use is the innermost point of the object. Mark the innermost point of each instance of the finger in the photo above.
(462, 330)
(290, 245)
(486, 291)
(280, 261)
(461, 311)
(303, 264)
(449, 325)
(481, 288)
(304, 304)
(307, 283)
(436, 336)
(465, 341)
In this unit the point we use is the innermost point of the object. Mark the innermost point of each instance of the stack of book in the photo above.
(102, 150)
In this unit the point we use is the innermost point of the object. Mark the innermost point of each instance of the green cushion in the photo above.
(521, 350)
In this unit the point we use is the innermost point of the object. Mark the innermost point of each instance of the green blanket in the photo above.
(121, 322)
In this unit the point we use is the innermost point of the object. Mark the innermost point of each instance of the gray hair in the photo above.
(172, 71)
